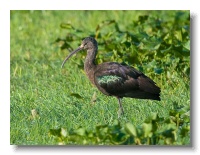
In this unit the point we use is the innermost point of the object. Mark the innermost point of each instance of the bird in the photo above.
(115, 79)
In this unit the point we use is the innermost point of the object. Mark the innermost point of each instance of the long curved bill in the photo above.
(72, 53)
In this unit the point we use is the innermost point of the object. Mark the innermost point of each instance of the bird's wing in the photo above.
(116, 79)
(113, 77)
(112, 68)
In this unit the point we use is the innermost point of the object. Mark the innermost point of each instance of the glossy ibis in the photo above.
(114, 79)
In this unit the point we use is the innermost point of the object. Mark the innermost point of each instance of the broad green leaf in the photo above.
(131, 129)
(64, 132)
(147, 127)
(66, 26)
(178, 35)
(80, 132)
(187, 45)
(154, 116)
(167, 49)
(76, 95)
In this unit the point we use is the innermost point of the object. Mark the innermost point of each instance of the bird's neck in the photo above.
(90, 59)
(89, 65)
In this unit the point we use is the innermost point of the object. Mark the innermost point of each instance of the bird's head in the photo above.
(88, 43)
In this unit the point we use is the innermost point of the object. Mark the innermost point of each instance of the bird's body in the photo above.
(114, 79)
(118, 80)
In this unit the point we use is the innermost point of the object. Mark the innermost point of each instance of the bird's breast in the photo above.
(90, 75)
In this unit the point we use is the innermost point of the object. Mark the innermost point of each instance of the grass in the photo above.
(63, 97)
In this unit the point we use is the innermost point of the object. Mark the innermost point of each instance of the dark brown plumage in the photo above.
(114, 79)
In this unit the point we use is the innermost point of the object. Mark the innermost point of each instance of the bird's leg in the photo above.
(121, 111)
